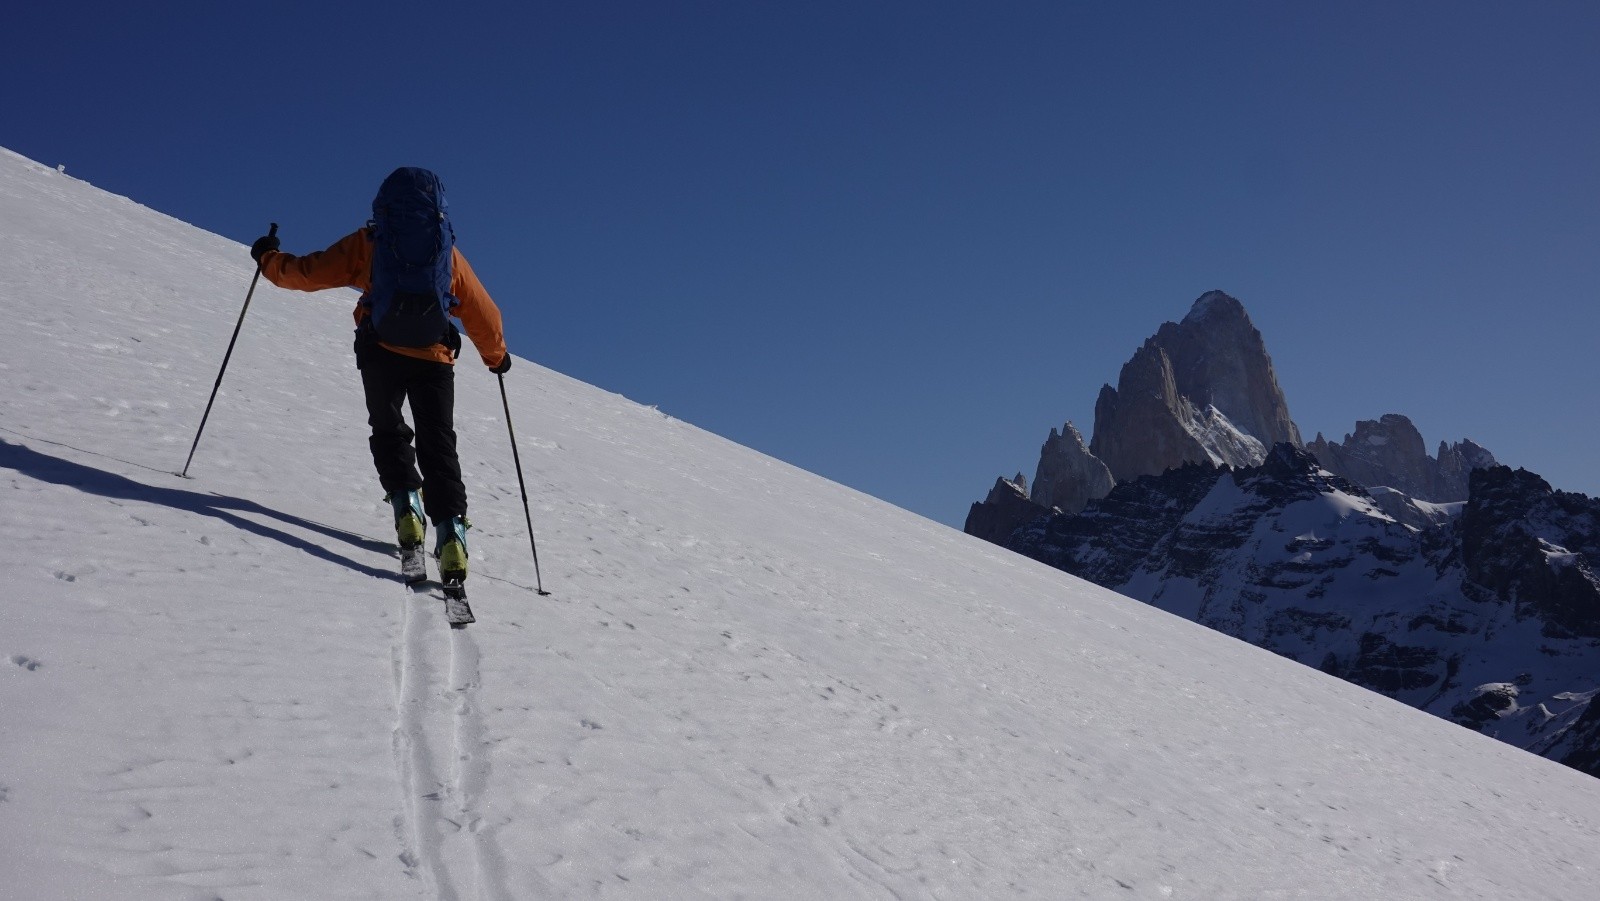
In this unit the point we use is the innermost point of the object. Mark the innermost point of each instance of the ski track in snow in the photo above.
(421, 787)
(472, 768)
(448, 843)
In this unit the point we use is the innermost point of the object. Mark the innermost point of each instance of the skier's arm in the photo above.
(347, 264)
(477, 312)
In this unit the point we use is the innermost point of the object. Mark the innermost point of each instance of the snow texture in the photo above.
(749, 682)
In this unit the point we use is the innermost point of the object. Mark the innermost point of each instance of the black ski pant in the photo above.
(389, 380)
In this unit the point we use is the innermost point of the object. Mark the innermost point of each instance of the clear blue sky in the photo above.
(895, 243)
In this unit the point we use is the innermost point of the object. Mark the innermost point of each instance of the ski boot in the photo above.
(452, 549)
(452, 553)
(409, 533)
(409, 528)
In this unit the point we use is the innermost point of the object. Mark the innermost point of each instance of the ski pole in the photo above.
(271, 233)
(517, 458)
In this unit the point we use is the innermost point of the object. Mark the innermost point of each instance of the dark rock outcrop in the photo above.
(1113, 535)
(1523, 543)
(1491, 702)
(1576, 742)
(1005, 510)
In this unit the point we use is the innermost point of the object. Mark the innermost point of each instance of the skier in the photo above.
(412, 279)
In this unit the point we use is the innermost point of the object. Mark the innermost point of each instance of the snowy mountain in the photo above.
(1489, 618)
(749, 682)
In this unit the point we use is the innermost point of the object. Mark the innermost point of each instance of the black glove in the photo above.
(503, 366)
(262, 245)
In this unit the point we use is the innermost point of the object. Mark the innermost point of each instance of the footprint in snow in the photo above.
(27, 663)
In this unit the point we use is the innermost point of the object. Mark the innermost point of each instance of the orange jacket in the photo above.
(348, 264)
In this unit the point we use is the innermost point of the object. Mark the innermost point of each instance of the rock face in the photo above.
(1456, 463)
(1221, 361)
(1144, 426)
(1199, 391)
(1069, 476)
(1489, 617)
(1389, 452)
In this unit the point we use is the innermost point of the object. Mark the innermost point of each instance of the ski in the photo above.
(413, 564)
(414, 569)
(456, 610)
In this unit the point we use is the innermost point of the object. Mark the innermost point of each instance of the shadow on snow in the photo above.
(58, 471)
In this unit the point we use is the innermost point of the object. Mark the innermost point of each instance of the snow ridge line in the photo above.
(422, 792)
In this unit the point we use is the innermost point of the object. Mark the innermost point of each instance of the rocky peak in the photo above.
(1215, 304)
(1220, 360)
(1069, 476)
(1389, 452)
(1456, 463)
(1198, 391)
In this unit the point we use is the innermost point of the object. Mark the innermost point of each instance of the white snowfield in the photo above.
(749, 682)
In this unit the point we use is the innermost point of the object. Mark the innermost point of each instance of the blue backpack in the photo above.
(410, 301)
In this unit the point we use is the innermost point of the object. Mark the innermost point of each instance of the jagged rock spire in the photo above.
(1069, 476)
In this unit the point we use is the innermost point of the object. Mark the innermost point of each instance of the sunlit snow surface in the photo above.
(749, 682)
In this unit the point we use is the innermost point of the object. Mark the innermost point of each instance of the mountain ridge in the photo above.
(1453, 545)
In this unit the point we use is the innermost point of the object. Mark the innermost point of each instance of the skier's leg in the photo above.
(432, 394)
(383, 379)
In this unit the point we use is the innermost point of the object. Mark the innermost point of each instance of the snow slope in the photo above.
(749, 682)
